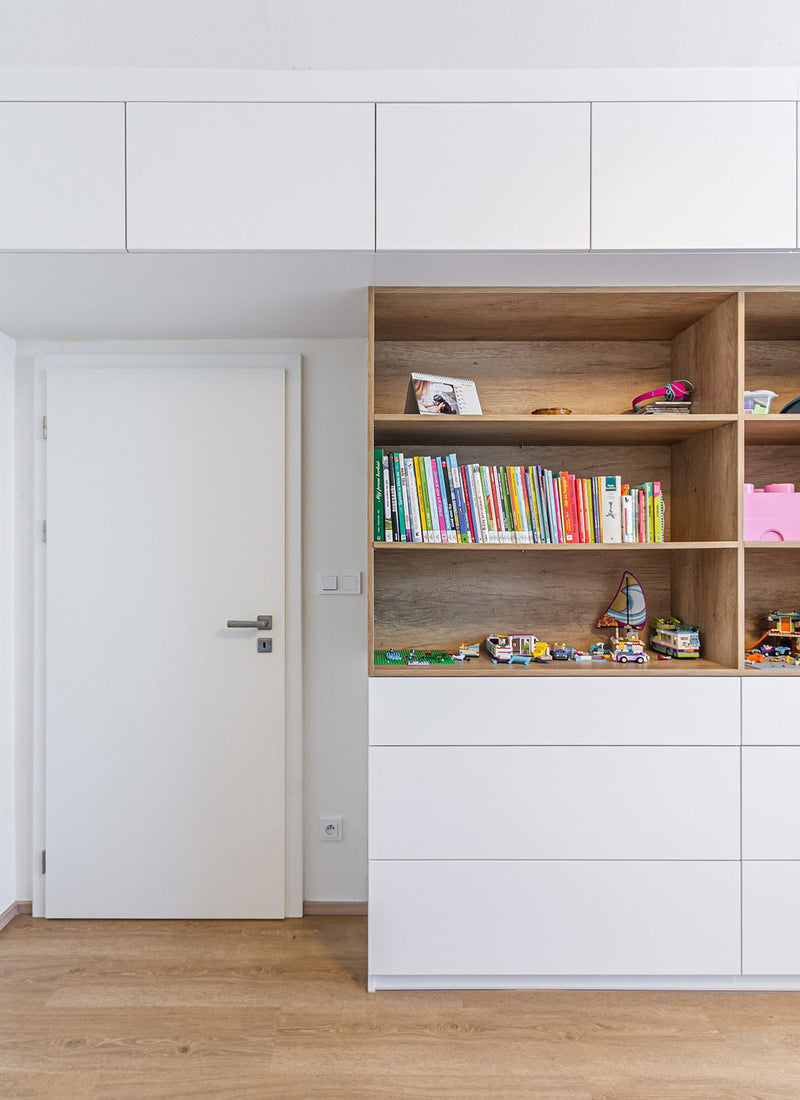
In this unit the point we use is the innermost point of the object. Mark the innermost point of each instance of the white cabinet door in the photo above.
(470, 176)
(770, 803)
(250, 176)
(584, 710)
(771, 710)
(518, 918)
(693, 175)
(62, 184)
(770, 903)
(554, 803)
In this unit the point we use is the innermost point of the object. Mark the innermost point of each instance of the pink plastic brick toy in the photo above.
(771, 514)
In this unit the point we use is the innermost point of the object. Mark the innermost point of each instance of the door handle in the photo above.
(263, 622)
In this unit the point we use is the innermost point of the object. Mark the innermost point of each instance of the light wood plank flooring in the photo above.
(205, 1010)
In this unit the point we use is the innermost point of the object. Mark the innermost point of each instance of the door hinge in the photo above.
(44, 427)
(44, 861)
(44, 530)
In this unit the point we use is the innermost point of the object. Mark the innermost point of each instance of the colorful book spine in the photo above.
(480, 501)
(387, 501)
(402, 497)
(469, 504)
(435, 495)
(458, 494)
(448, 503)
(611, 502)
(413, 499)
(378, 529)
(658, 511)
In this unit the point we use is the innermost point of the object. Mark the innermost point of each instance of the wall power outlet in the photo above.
(330, 828)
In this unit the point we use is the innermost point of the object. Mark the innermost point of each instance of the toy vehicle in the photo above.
(502, 647)
(674, 638)
(499, 647)
(629, 649)
(469, 649)
(562, 652)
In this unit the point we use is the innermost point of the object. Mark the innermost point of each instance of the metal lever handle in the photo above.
(263, 622)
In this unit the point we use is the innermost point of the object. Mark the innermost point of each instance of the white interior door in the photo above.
(164, 727)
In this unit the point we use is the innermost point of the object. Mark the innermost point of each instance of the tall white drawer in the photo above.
(771, 710)
(580, 710)
(770, 902)
(770, 803)
(554, 803)
(509, 918)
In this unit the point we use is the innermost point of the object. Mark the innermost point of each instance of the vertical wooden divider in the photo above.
(370, 475)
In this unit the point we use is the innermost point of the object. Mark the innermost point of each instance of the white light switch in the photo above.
(339, 584)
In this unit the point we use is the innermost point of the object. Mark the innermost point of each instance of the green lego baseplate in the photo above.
(413, 657)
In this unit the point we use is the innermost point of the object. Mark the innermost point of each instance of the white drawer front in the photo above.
(506, 918)
(771, 710)
(62, 186)
(554, 803)
(245, 176)
(471, 176)
(672, 175)
(770, 803)
(770, 903)
(578, 711)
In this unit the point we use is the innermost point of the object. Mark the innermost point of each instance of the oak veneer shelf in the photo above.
(772, 429)
(526, 430)
(557, 547)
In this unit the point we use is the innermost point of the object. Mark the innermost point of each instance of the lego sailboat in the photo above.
(628, 608)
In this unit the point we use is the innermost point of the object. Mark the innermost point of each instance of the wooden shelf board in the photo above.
(767, 546)
(771, 429)
(614, 429)
(613, 547)
(482, 666)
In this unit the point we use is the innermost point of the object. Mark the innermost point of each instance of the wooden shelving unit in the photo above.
(590, 351)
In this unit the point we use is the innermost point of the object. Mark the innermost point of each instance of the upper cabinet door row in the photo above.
(462, 177)
(661, 176)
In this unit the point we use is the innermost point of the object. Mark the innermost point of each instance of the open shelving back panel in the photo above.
(591, 351)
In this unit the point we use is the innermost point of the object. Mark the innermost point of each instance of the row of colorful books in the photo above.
(435, 499)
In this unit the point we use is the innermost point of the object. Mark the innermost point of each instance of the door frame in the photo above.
(291, 364)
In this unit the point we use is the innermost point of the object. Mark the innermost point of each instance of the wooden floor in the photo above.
(144, 1010)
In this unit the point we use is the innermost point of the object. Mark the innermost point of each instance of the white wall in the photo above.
(383, 34)
(8, 862)
(334, 424)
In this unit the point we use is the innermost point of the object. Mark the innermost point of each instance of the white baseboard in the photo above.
(16, 909)
(334, 908)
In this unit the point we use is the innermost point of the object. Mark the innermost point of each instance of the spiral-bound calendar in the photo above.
(436, 395)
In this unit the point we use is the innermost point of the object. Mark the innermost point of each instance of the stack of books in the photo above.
(435, 499)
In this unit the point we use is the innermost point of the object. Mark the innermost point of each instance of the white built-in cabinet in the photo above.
(530, 833)
(62, 183)
(694, 176)
(491, 176)
(770, 827)
(244, 176)
(522, 830)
